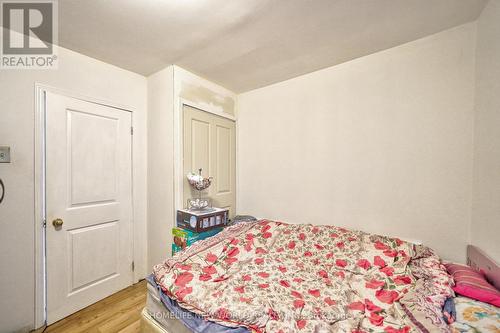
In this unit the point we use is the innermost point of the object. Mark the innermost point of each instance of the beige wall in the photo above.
(77, 74)
(382, 143)
(160, 164)
(485, 227)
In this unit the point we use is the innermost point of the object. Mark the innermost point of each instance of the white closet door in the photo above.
(209, 143)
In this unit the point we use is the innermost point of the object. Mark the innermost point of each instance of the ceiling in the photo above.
(247, 44)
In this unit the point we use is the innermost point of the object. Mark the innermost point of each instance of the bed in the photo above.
(269, 276)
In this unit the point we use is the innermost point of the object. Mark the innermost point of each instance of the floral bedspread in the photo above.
(276, 277)
(476, 317)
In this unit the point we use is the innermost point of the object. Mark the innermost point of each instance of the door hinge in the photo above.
(131, 130)
(133, 266)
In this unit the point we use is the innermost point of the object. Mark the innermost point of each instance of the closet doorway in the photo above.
(209, 143)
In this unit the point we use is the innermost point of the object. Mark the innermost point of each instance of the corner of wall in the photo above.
(471, 185)
(160, 166)
(202, 92)
(485, 214)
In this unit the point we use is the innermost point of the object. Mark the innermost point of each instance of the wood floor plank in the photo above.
(135, 327)
(119, 312)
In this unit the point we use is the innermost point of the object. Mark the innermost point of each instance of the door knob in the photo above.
(57, 223)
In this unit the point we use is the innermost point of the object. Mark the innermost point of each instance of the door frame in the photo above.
(139, 257)
(179, 148)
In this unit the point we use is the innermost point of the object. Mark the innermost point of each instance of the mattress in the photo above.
(472, 316)
(172, 318)
(161, 314)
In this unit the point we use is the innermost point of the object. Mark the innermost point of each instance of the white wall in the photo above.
(382, 143)
(485, 227)
(78, 74)
(167, 90)
(160, 164)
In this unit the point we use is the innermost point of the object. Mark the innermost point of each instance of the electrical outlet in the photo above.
(4, 154)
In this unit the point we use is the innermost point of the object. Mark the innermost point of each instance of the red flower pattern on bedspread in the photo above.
(277, 277)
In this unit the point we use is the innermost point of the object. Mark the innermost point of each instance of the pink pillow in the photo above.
(471, 283)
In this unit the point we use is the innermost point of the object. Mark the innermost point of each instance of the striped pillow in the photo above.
(473, 284)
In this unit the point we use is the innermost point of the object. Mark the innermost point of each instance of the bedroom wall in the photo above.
(78, 74)
(485, 227)
(160, 163)
(382, 143)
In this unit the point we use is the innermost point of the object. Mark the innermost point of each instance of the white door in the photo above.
(210, 144)
(89, 191)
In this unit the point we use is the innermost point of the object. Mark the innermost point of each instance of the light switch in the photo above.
(4, 154)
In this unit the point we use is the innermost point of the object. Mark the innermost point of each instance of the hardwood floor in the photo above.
(119, 312)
